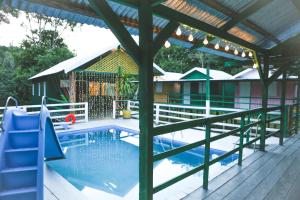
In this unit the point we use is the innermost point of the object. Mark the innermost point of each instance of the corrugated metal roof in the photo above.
(252, 74)
(78, 61)
(280, 18)
(214, 74)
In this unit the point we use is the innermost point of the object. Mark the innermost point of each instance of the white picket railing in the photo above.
(169, 113)
(59, 112)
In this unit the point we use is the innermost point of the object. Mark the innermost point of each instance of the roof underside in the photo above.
(257, 25)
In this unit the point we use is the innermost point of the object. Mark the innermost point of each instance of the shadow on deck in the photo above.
(271, 175)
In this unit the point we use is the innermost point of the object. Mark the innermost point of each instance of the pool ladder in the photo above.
(249, 129)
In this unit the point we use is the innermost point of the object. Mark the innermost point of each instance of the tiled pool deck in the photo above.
(57, 188)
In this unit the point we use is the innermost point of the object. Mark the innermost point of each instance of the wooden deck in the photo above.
(271, 175)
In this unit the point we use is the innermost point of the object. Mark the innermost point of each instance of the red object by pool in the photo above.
(71, 117)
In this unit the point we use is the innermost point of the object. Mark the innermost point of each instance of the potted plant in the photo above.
(126, 89)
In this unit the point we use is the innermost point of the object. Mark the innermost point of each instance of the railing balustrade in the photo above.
(58, 111)
(241, 121)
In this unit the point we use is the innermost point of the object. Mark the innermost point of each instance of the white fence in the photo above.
(59, 112)
(170, 113)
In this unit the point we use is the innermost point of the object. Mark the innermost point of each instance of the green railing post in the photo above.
(241, 145)
(285, 123)
(249, 131)
(206, 157)
(264, 119)
(282, 108)
(297, 106)
(207, 92)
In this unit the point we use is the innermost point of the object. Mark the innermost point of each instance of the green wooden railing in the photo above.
(224, 101)
(207, 122)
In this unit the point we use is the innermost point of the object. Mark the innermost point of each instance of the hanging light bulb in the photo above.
(254, 65)
(178, 32)
(167, 44)
(217, 46)
(226, 47)
(243, 54)
(250, 54)
(236, 52)
(191, 38)
(205, 41)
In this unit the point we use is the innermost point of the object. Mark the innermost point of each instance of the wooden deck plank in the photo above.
(227, 188)
(266, 185)
(285, 183)
(223, 184)
(294, 192)
(245, 188)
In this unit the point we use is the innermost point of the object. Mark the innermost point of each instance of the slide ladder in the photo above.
(26, 141)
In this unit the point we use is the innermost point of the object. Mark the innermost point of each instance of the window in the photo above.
(202, 88)
(39, 90)
(32, 88)
(159, 87)
(64, 83)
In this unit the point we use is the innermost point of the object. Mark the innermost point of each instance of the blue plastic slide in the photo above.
(26, 141)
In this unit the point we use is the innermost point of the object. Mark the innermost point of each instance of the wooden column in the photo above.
(282, 108)
(297, 104)
(264, 103)
(146, 100)
(72, 79)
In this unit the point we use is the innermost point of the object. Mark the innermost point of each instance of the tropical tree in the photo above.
(42, 48)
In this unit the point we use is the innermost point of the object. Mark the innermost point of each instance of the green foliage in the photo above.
(179, 59)
(6, 13)
(7, 73)
(42, 48)
(125, 84)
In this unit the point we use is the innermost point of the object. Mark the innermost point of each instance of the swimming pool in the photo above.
(103, 163)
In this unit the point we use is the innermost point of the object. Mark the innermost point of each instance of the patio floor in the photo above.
(270, 175)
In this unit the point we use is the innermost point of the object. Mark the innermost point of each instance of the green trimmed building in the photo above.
(91, 79)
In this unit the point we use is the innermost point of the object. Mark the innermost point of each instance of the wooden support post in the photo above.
(207, 84)
(241, 146)
(72, 94)
(114, 109)
(297, 104)
(286, 121)
(282, 108)
(206, 157)
(146, 101)
(264, 103)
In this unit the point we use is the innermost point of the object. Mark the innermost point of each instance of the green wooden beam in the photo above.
(245, 13)
(275, 75)
(173, 15)
(289, 47)
(102, 8)
(233, 14)
(164, 35)
(157, 2)
(146, 97)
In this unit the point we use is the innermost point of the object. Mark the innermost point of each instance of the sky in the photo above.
(83, 40)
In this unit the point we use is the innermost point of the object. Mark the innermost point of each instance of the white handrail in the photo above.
(58, 111)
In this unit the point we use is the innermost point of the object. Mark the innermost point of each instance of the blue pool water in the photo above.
(105, 161)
